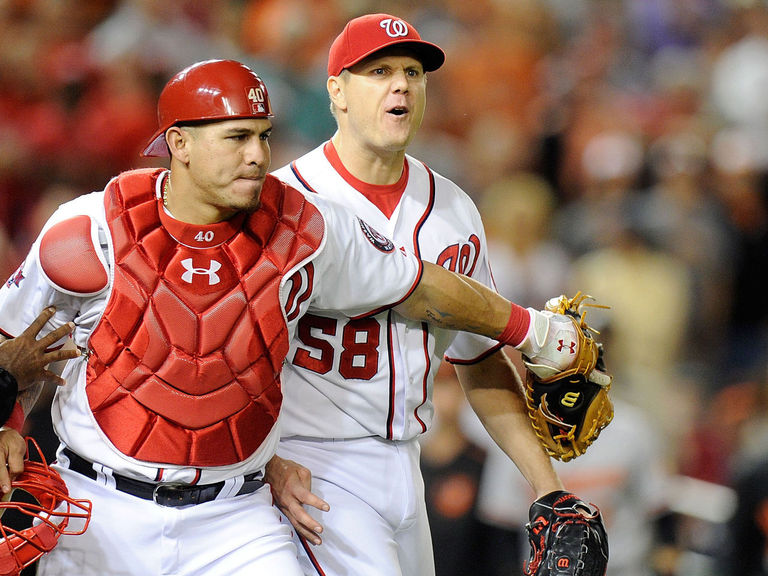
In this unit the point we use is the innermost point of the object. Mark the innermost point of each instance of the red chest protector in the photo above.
(185, 364)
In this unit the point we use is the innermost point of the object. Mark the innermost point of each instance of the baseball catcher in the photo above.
(567, 538)
(569, 408)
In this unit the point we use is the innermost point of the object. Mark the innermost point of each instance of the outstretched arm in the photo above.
(457, 302)
(494, 390)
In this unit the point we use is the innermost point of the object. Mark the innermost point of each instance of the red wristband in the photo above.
(517, 326)
(16, 419)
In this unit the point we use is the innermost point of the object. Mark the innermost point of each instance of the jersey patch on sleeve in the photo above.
(17, 277)
(378, 240)
(71, 258)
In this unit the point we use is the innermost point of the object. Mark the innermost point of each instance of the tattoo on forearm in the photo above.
(448, 321)
(435, 318)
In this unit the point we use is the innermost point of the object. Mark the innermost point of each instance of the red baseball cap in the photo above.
(367, 34)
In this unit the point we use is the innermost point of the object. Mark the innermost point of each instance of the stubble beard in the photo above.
(252, 206)
(248, 205)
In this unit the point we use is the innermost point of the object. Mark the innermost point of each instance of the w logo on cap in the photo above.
(365, 35)
(394, 28)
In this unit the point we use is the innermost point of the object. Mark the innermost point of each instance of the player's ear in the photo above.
(335, 86)
(178, 140)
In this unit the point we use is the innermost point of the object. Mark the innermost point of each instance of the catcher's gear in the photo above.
(206, 91)
(569, 408)
(567, 537)
(50, 515)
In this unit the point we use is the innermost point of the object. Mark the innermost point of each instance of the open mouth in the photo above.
(398, 111)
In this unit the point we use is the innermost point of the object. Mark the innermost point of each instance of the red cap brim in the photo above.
(430, 55)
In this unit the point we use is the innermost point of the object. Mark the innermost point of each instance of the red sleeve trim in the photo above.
(476, 359)
(419, 274)
(16, 419)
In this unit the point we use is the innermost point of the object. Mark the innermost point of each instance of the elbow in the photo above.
(418, 304)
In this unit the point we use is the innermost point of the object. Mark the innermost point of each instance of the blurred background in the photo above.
(617, 147)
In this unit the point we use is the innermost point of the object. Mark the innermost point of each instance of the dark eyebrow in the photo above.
(237, 131)
(241, 131)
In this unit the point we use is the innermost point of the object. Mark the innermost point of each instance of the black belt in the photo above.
(171, 494)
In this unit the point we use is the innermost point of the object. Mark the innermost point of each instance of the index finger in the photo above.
(56, 335)
(34, 328)
(307, 525)
(311, 499)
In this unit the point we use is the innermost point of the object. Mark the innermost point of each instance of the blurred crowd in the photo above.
(617, 147)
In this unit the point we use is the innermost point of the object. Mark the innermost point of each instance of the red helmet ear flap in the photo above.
(50, 514)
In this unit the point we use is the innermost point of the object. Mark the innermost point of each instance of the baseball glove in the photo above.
(567, 538)
(569, 409)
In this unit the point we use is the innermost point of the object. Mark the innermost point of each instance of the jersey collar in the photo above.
(385, 197)
(199, 235)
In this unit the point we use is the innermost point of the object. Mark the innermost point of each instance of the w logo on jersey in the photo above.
(394, 28)
(461, 257)
(213, 278)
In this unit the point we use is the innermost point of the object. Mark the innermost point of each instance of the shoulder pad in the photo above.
(71, 259)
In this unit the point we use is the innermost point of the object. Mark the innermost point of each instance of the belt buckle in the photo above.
(171, 494)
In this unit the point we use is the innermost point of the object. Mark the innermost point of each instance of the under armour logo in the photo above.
(213, 278)
(394, 28)
(571, 347)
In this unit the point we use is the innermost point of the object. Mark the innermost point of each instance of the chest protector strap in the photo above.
(185, 363)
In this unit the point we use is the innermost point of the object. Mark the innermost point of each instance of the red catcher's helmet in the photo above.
(50, 516)
(210, 90)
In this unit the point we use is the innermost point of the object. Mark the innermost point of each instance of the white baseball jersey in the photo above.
(339, 282)
(369, 381)
(355, 378)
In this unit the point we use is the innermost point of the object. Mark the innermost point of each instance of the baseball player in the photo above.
(358, 391)
(185, 287)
